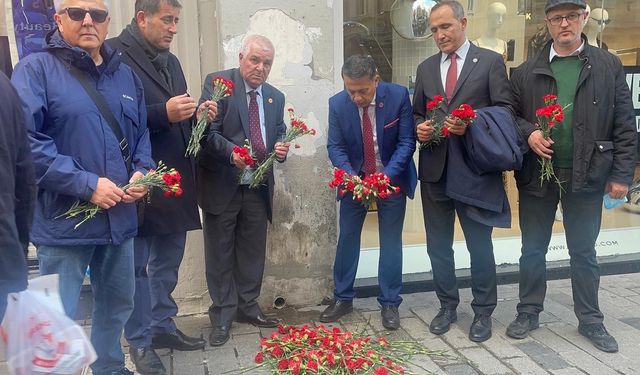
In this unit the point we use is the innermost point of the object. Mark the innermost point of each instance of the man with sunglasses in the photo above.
(593, 153)
(86, 120)
(160, 244)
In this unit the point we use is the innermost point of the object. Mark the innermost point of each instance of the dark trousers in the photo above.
(235, 243)
(390, 222)
(156, 261)
(439, 218)
(581, 214)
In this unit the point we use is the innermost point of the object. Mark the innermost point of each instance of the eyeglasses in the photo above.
(557, 20)
(600, 22)
(78, 14)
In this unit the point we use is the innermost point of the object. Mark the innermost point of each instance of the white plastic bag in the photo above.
(39, 337)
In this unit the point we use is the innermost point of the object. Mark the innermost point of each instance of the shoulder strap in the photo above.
(100, 102)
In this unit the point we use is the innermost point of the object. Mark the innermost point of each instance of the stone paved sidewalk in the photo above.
(555, 348)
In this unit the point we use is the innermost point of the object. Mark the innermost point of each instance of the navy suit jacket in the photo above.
(217, 179)
(395, 135)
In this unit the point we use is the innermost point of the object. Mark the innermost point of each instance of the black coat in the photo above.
(604, 134)
(482, 83)
(217, 177)
(17, 191)
(168, 141)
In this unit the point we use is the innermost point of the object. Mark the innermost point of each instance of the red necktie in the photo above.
(452, 76)
(257, 143)
(367, 141)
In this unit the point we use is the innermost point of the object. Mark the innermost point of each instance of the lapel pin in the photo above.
(270, 101)
(381, 104)
(475, 59)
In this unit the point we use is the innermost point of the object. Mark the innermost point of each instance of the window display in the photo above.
(516, 29)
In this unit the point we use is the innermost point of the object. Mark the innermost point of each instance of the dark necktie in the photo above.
(367, 141)
(452, 76)
(257, 143)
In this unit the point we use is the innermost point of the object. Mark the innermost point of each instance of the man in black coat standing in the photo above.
(462, 73)
(17, 194)
(160, 244)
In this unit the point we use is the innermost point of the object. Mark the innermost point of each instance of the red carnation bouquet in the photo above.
(547, 117)
(439, 130)
(222, 88)
(168, 180)
(464, 114)
(364, 190)
(245, 153)
(307, 350)
(297, 129)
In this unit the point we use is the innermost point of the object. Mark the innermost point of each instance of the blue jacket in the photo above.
(72, 144)
(481, 190)
(394, 129)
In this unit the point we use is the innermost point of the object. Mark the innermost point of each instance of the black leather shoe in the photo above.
(219, 335)
(390, 317)
(260, 320)
(147, 361)
(177, 341)
(336, 310)
(522, 325)
(442, 322)
(480, 328)
(599, 337)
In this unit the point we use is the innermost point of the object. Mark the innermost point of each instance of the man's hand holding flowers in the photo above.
(134, 193)
(540, 145)
(424, 131)
(281, 149)
(212, 107)
(107, 194)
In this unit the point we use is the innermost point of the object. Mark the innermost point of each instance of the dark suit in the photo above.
(235, 216)
(396, 144)
(481, 83)
(162, 232)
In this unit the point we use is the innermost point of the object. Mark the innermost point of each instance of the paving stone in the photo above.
(460, 370)
(616, 362)
(619, 290)
(568, 371)
(543, 356)
(525, 366)
(421, 363)
(443, 353)
(589, 364)
(416, 328)
(633, 322)
(485, 362)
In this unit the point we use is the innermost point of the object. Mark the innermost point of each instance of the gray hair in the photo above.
(57, 4)
(152, 6)
(259, 40)
(458, 9)
(358, 66)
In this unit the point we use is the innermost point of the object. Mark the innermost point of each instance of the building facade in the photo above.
(311, 39)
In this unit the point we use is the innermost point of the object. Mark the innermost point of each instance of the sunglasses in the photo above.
(78, 14)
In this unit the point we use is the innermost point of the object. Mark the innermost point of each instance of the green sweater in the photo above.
(566, 71)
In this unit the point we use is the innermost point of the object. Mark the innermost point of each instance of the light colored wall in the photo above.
(307, 39)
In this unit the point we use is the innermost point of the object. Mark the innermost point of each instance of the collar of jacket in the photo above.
(54, 43)
(542, 65)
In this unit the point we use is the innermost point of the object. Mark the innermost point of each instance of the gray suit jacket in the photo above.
(483, 82)
(217, 179)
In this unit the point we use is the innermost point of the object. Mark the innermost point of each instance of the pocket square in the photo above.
(392, 123)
